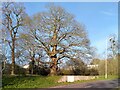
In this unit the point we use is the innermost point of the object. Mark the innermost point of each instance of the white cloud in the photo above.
(108, 13)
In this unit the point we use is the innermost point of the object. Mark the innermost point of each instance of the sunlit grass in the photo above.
(29, 81)
(109, 77)
(42, 81)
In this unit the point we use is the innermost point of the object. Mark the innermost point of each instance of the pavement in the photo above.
(94, 84)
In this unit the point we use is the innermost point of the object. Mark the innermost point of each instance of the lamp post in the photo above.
(106, 61)
(113, 47)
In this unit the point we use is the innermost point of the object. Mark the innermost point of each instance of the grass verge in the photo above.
(40, 81)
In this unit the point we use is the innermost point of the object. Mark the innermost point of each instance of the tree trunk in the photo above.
(13, 58)
(33, 63)
(53, 69)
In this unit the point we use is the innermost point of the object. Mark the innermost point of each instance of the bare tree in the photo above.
(28, 47)
(12, 17)
(31, 52)
(59, 35)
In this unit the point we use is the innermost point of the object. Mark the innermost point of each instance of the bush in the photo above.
(39, 70)
(91, 72)
(18, 70)
(66, 72)
(94, 72)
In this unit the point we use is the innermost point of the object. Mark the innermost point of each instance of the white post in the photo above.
(106, 61)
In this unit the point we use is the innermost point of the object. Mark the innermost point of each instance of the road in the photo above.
(94, 84)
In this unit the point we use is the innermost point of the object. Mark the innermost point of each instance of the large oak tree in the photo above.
(59, 35)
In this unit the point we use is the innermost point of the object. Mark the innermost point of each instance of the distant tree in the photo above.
(95, 61)
(59, 35)
(74, 67)
(112, 66)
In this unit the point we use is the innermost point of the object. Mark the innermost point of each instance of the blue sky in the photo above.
(100, 18)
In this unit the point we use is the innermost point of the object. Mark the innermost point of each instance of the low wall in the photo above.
(76, 78)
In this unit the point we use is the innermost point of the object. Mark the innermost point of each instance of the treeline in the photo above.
(112, 66)
(76, 68)
(71, 67)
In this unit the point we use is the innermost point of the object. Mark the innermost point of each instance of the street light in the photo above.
(106, 61)
(113, 46)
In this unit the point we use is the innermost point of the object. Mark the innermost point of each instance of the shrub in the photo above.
(18, 70)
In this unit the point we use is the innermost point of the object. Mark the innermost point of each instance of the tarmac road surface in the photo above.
(94, 84)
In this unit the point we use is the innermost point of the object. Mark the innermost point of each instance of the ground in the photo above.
(94, 84)
(51, 82)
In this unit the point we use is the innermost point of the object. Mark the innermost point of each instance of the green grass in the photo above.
(29, 81)
(110, 77)
(40, 81)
